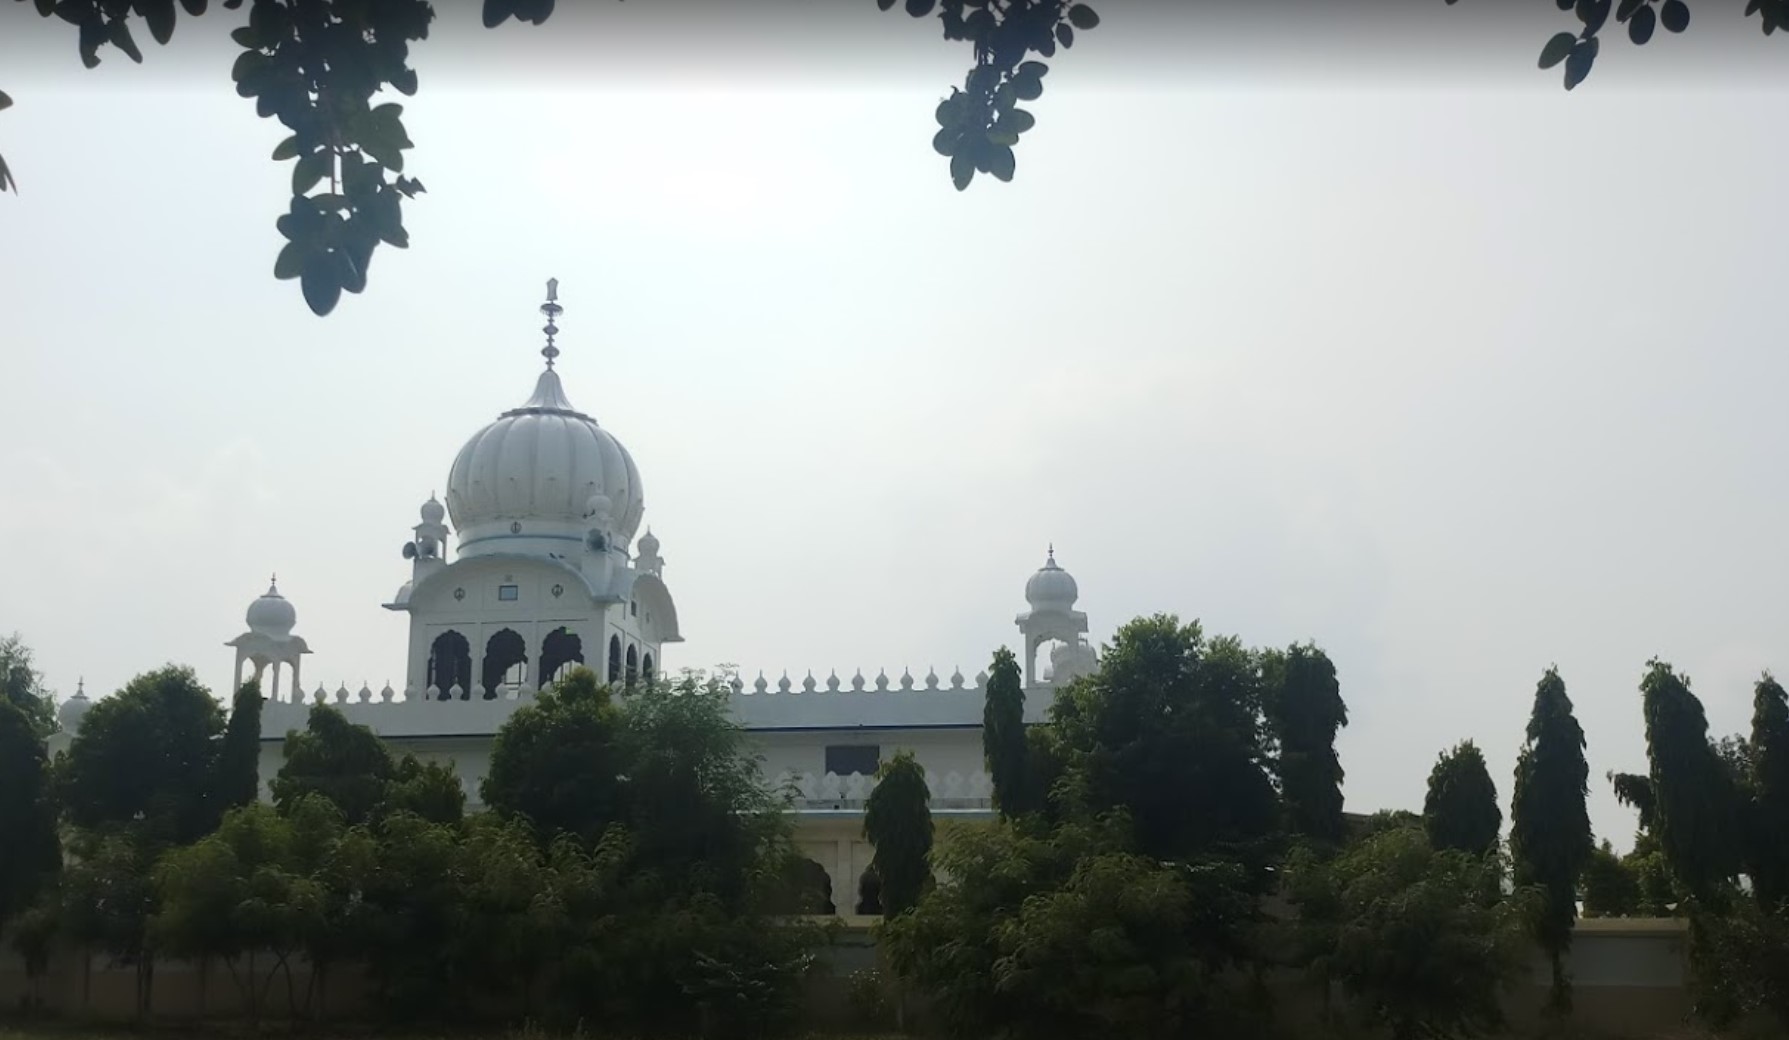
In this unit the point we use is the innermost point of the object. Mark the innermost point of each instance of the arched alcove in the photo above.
(450, 663)
(614, 660)
(559, 652)
(505, 663)
(646, 667)
(805, 888)
(633, 664)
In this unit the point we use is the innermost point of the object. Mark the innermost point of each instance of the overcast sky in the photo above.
(1362, 332)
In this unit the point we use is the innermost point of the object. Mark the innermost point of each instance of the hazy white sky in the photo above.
(1374, 338)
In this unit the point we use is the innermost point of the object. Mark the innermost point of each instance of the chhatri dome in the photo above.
(1051, 588)
(272, 614)
(543, 470)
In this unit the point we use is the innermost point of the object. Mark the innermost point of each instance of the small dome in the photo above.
(72, 711)
(1051, 587)
(649, 543)
(433, 512)
(272, 614)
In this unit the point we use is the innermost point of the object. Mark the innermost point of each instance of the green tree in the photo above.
(21, 684)
(239, 759)
(332, 757)
(1003, 739)
(1611, 885)
(431, 790)
(1460, 812)
(556, 762)
(146, 753)
(1170, 730)
(897, 821)
(1768, 859)
(1694, 813)
(236, 894)
(319, 66)
(1550, 838)
(1407, 934)
(1305, 710)
(31, 851)
(108, 897)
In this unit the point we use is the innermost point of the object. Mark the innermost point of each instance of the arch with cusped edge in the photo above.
(614, 675)
(450, 663)
(633, 664)
(505, 663)
(559, 653)
(803, 889)
(646, 667)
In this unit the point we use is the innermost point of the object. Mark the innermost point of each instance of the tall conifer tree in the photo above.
(1695, 806)
(1003, 739)
(1769, 845)
(1550, 837)
(239, 759)
(1304, 711)
(897, 821)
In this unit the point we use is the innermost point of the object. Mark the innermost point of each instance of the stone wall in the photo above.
(1630, 982)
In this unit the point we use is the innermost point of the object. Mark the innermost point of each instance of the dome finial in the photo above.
(552, 310)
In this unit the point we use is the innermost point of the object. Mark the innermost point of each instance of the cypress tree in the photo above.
(1550, 837)
(1460, 812)
(1003, 740)
(239, 759)
(897, 821)
(1304, 710)
(1769, 859)
(1695, 805)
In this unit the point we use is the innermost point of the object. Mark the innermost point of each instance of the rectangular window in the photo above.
(507, 593)
(845, 759)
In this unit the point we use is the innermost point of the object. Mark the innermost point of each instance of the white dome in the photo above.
(1051, 588)
(649, 543)
(272, 614)
(533, 473)
(433, 512)
(70, 712)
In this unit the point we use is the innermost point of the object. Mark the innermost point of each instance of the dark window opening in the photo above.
(845, 759)
(450, 664)
(505, 664)
(646, 667)
(614, 660)
(633, 665)
(558, 653)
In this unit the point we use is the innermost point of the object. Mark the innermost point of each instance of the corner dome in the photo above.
(1051, 588)
(70, 712)
(536, 472)
(272, 614)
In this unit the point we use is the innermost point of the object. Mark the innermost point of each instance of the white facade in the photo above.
(546, 574)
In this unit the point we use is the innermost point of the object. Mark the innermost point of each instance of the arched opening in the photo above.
(505, 664)
(633, 664)
(646, 667)
(804, 888)
(450, 663)
(614, 660)
(869, 893)
(559, 652)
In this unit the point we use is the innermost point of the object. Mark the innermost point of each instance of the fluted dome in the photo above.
(272, 614)
(1051, 588)
(537, 473)
(432, 511)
